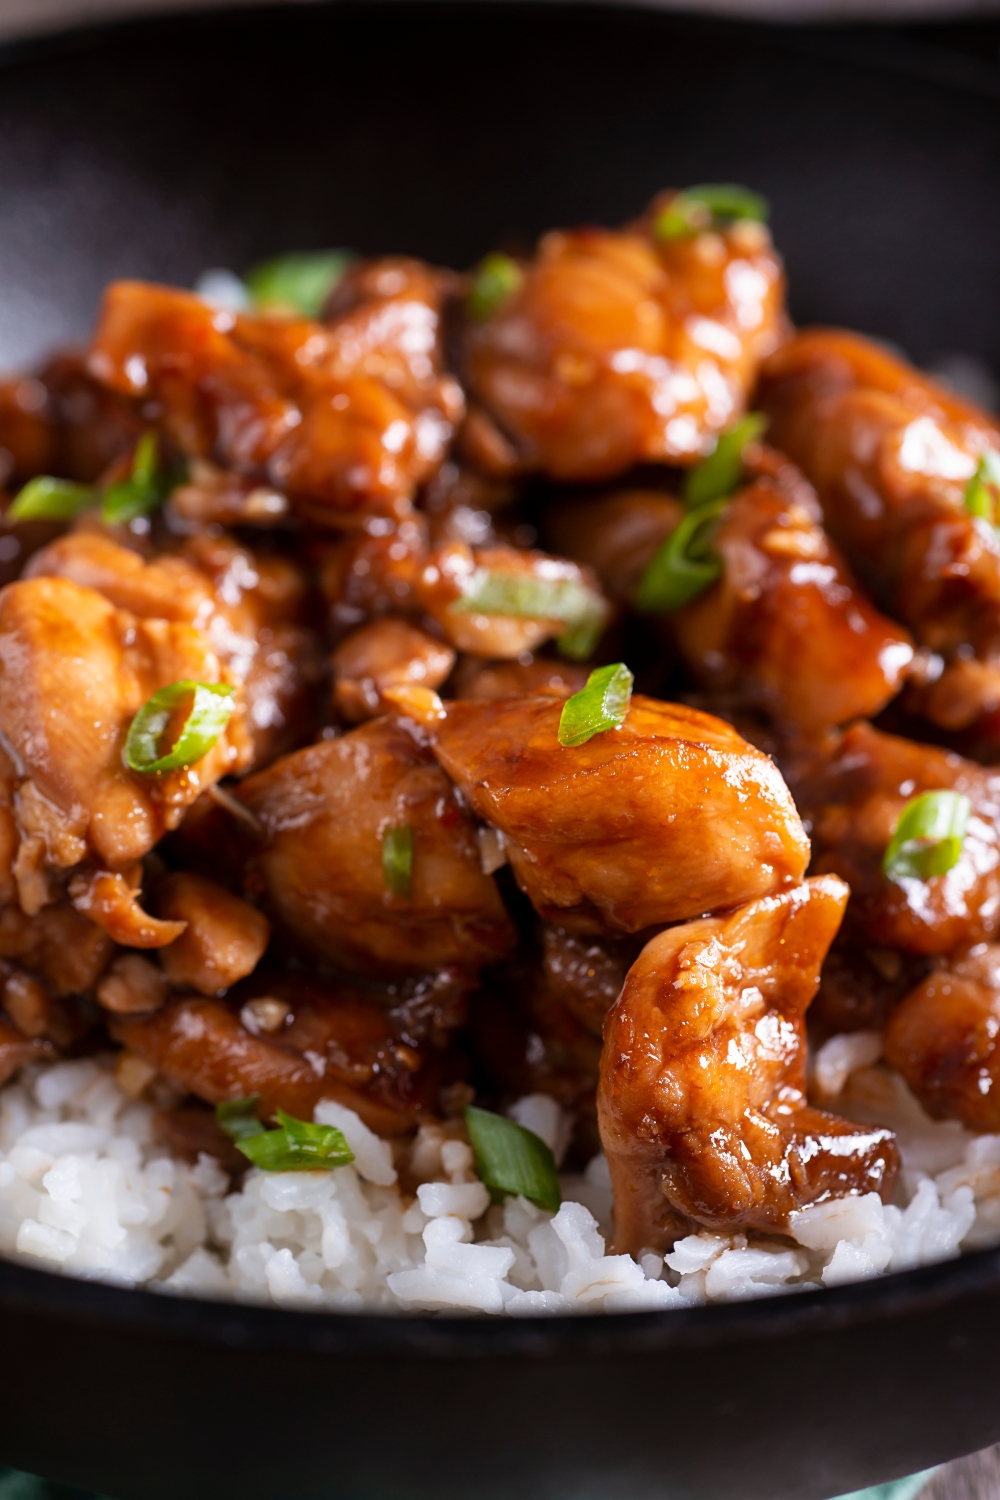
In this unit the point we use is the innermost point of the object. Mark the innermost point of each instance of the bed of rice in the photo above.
(85, 1188)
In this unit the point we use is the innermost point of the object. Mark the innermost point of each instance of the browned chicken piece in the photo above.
(133, 986)
(890, 453)
(329, 1043)
(620, 348)
(74, 671)
(943, 1039)
(330, 814)
(785, 630)
(37, 1014)
(58, 944)
(224, 938)
(587, 974)
(387, 652)
(62, 423)
(668, 816)
(702, 1104)
(461, 504)
(17, 1050)
(250, 607)
(488, 681)
(345, 417)
(462, 589)
(851, 800)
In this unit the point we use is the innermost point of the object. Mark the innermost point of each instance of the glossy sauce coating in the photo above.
(702, 1103)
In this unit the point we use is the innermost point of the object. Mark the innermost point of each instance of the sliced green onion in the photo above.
(296, 1146)
(512, 1161)
(602, 704)
(146, 488)
(496, 278)
(928, 838)
(239, 1119)
(208, 708)
(685, 566)
(707, 206)
(397, 859)
(982, 493)
(297, 283)
(720, 473)
(48, 499)
(584, 610)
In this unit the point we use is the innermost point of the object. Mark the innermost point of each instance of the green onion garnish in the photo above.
(146, 488)
(207, 708)
(927, 840)
(48, 499)
(982, 493)
(583, 610)
(397, 858)
(601, 705)
(295, 1146)
(709, 205)
(511, 1160)
(685, 565)
(496, 278)
(297, 283)
(238, 1118)
(720, 473)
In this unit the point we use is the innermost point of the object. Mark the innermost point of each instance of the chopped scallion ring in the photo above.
(512, 1161)
(982, 493)
(146, 488)
(397, 859)
(496, 278)
(297, 283)
(602, 704)
(584, 611)
(196, 713)
(709, 205)
(295, 1146)
(928, 837)
(239, 1119)
(46, 499)
(720, 473)
(685, 566)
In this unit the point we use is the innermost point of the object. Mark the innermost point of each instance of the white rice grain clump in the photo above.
(85, 1188)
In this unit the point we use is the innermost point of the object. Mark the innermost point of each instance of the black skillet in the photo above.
(161, 148)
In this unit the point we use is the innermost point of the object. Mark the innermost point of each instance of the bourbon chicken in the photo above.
(337, 767)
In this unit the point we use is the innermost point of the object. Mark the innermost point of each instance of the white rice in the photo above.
(85, 1188)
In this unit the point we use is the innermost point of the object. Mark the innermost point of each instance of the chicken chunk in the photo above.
(702, 1103)
(250, 607)
(851, 800)
(621, 348)
(330, 1044)
(616, 534)
(943, 1039)
(385, 653)
(891, 453)
(74, 671)
(489, 681)
(330, 814)
(346, 418)
(223, 940)
(670, 815)
(62, 423)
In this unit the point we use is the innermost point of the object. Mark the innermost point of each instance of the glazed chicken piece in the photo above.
(250, 607)
(785, 630)
(489, 681)
(385, 653)
(17, 1050)
(224, 937)
(63, 423)
(851, 800)
(943, 1039)
(622, 347)
(702, 1103)
(332, 816)
(668, 816)
(462, 590)
(890, 453)
(297, 1042)
(345, 417)
(74, 671)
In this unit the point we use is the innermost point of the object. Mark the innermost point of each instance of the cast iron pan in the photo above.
(161, 148)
